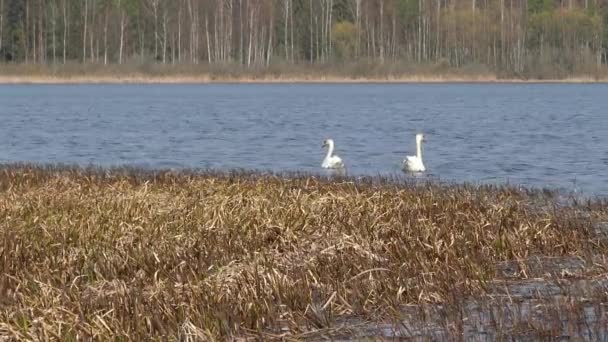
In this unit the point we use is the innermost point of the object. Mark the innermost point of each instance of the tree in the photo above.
(1, 22)
(344, 36)
(539, 6)
(54, 30)
(84, 31)
(510, 36)
(14, 46)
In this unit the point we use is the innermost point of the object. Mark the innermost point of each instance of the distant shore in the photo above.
(210, 79)
(75, 73)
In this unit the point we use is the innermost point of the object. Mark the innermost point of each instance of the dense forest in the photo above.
(518, 37)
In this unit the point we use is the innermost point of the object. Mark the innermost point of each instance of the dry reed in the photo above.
(130, 254)
(356, 72)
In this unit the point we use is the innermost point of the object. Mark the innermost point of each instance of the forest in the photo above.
(519, 38)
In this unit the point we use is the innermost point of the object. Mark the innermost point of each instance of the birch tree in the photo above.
(1, 23)
(514, 36)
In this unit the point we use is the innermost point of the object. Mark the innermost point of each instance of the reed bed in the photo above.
(127, 254)
(136, 71)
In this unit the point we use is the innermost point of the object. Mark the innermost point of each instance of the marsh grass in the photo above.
(138, 71)
(202, 255)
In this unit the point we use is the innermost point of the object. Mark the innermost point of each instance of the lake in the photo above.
(541, 135)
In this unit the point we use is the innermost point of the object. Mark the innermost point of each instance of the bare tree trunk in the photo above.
(84, 32)
(256, 35)
(215, 39)
(92, 46)
(502, 31)
(179, 33)
(358, 27)
(329, 22)
(142, 40)
(250, 36)
(367, 41)
(196, 39)
(92, 36)
(26, 32)
(381, 42)
(165, 37)
(269, 50)
(229, 34)
(241, 53)
(438, 33)
(54, 28)
(599, 51)
(33, 33)
(208, 42)
(373, 36)
(261, 48)
(1, 21)
(41, 45)
(105, 39)
(291, 26)
(221, 34)
(155, 12)
(192, 28)
(97, 48)
(317, 54)
(419, 31)
(323, 29)
(327, 29)
(311, 33)
(34, 36)
(425, 33)
(122, 33)
(321, 41)
(286, 5)
(393, 44)
(173, 48)
(65, 29)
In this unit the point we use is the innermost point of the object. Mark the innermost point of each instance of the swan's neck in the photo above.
(330, 150)
(419, 149)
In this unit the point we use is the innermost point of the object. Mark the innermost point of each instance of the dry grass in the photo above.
(133, 255)
(360, 72)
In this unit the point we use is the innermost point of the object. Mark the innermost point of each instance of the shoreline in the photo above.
(269, 79)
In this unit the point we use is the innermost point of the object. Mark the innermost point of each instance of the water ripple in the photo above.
(540, 135)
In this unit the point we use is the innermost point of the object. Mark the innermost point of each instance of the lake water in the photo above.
(544, 135)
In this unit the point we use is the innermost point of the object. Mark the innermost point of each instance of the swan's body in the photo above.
(331, 161)
(414, 163)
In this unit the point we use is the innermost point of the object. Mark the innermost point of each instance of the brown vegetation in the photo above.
(133, 254)
(343, 73)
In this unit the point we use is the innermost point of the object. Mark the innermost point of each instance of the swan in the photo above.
(414, 163)
(331, 161)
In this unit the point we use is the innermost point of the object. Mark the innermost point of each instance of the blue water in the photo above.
(543, 135)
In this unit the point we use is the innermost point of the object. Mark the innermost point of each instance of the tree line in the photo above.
(515, 36)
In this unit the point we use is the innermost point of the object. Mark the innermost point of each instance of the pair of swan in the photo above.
(411, 163)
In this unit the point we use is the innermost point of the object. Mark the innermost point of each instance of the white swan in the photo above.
(414, 163)
(331, 161)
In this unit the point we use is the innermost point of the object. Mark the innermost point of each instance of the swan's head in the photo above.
(328, 142)
(420, 138)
